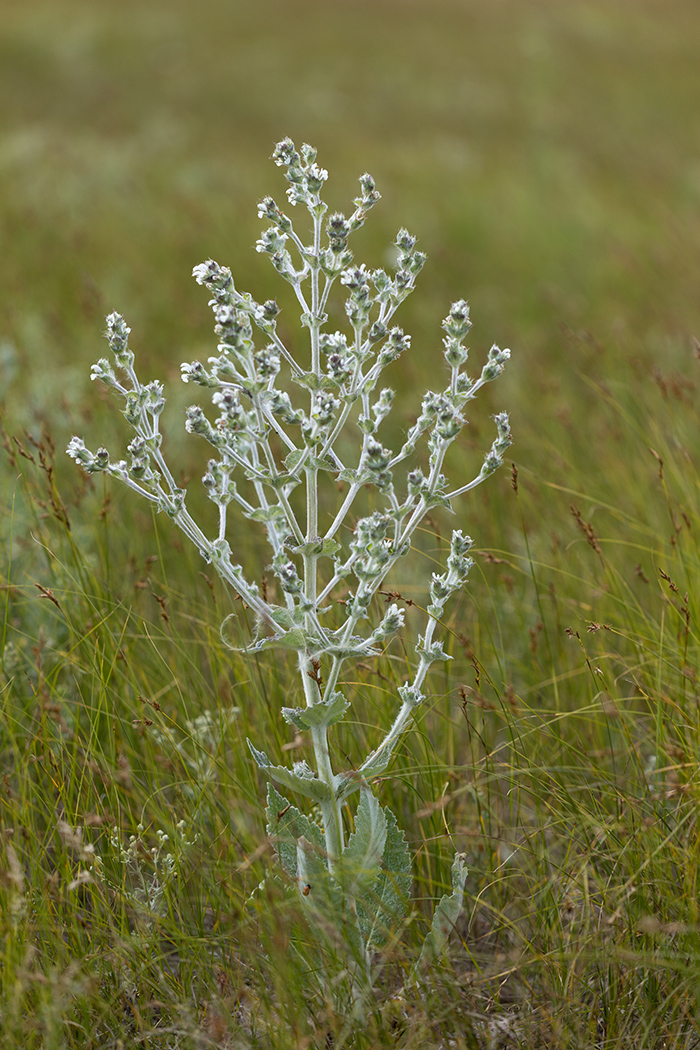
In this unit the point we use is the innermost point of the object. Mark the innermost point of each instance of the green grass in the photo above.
(546, 155)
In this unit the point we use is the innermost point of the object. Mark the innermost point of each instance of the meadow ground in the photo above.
(547, 156)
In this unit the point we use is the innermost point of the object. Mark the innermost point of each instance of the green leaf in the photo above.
(291, 636)
(320, 547)
(328, 909)
(307, 785)
(437, 500)
(327, 713)
(374, 764)
(383, 909)
(435, 652)
(355, 477)
(283, 481)
(312, 547)
(285, 826)
(295, 716)
(358, 867)
(446, 914)
(251, 387)
(322, 463)
(294, 639)
(267, 514)
(286, 618)
(294, 458)
(309, 380)
(343, 652)
(300, 848)
(315, 879)
(371, 767)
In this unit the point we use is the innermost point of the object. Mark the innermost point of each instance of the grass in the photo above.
(544, 155)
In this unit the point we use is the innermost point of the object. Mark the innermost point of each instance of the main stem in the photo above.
(332, 816)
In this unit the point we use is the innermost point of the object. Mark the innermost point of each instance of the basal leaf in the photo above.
(285, 826)
(332, 918)
(383, 908)
(358, 868)
(446, 914)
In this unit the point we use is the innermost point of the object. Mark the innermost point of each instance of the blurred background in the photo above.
(546, 155)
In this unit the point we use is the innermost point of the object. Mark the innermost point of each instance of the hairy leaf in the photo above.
(327, 713)
(358, 477)
(308, 786)
(326, 905)
(358, 868)
(328, 548)
(294, 639)
(294, 458)
(383, 908)
(446, 914)
(285, 826)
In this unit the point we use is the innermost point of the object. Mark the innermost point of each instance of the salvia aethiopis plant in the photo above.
(267, 442)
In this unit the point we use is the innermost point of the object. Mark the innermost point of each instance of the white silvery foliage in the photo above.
(266, 442)
(145, 875)
(139, 876)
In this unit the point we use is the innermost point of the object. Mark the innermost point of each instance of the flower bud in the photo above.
(285, 153)
(496, 363)
(457, 323)
(271, 241)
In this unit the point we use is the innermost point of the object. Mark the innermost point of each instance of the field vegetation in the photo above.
(547, 156)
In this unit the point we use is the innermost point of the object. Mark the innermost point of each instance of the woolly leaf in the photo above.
(307, 785)
(285, 826)
(309, 380)
(446, 914)
(356, 646)
(294, 458)
(319, 546)
(383, 908)
(436, 500)
(356, 477)
(294, 639)
(376, 763)
(326, 713)
(286, 618)
(267, 514)
(323, 463)
(327, 907)
(358, 868)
